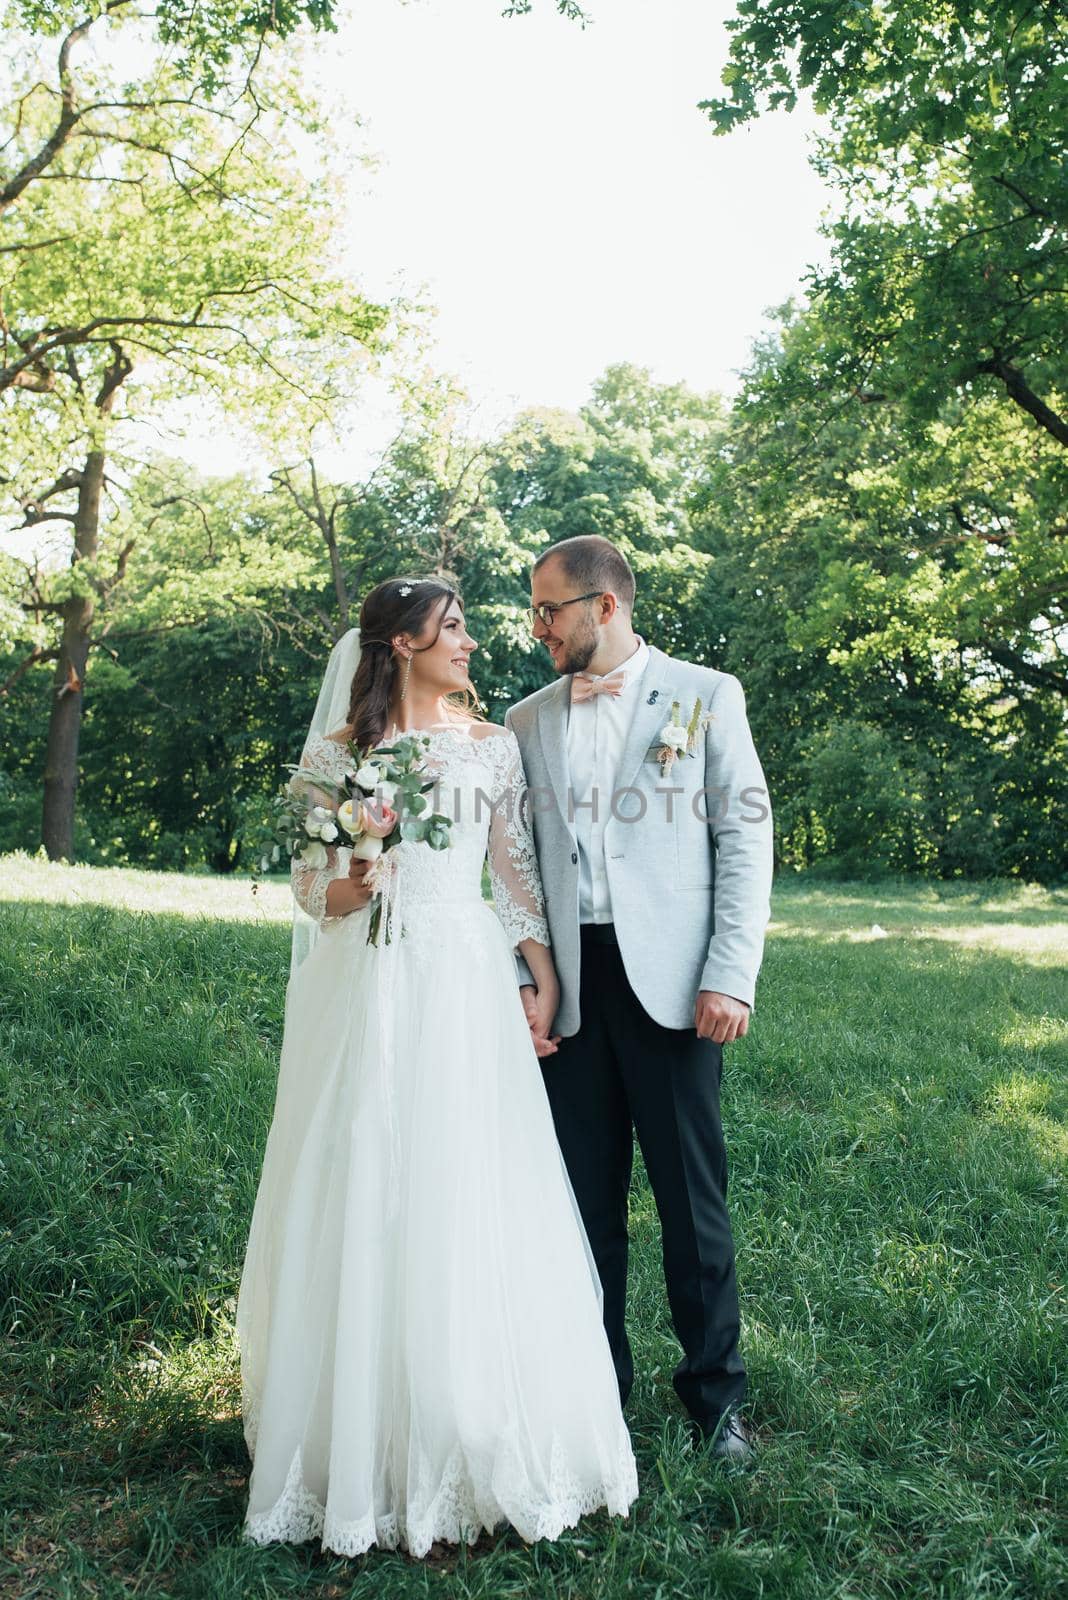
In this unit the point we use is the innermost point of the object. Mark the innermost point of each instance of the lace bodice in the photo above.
(482, 787)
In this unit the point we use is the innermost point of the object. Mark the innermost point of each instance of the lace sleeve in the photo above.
(308, 880)
(513, 863)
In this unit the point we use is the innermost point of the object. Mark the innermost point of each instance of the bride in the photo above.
(419, 1318)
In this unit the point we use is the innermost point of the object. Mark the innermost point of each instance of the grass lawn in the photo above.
(896, 1126)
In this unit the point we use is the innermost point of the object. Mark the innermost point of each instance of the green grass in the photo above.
(896, 1123)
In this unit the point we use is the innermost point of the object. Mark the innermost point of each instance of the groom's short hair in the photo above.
(592, 562)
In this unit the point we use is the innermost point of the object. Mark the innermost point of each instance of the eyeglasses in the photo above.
(547, 611)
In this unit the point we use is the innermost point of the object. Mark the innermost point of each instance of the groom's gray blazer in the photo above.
(689, 872)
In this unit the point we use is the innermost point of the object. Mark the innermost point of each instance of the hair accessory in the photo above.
(406, 589)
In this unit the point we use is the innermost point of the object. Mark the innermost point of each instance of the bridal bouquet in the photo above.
(380, 802)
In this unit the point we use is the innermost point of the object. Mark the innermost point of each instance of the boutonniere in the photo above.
(678, 738)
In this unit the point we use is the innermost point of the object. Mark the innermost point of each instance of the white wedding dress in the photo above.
(419, 1321)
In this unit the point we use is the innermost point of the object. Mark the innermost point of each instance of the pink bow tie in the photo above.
(583, 688)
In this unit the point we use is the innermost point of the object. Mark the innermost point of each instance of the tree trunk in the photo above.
(341, 593)
(68, 691)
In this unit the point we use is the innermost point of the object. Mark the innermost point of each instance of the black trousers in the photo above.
(621, 1072)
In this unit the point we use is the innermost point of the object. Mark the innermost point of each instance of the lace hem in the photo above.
(517, 922)
(458, 1513)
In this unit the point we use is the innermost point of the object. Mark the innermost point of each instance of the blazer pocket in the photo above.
(694, 868)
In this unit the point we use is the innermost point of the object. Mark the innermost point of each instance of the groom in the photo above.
(657, 878)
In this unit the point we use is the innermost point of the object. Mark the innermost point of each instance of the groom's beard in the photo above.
(579, 650)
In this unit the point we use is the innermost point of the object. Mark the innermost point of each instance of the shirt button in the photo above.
(574, 856)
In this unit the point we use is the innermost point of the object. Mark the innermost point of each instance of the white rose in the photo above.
(329, 832)
(314, 821)
(314, 855)
(387, 792)
(674, 735)
(368, 776)
(367, 849)
(348, 818)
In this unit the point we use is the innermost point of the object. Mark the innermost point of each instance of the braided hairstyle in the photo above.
(387, 611)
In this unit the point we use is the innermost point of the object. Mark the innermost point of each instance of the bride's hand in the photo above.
(541, 1006)
(352, 893)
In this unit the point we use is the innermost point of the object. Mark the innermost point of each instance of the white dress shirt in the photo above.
(596, 733)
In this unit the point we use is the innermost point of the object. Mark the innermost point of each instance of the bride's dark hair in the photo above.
(400, 605)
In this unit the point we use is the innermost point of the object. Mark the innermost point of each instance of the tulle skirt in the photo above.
(419, 1319)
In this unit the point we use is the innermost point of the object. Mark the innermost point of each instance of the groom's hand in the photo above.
(719, 1016)
(538, 1026)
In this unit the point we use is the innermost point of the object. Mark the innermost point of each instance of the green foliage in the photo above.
(204, 38)
(943, 307)
(186, 233)
(879, 573)
(402, 764)
(565, 8)
(165, 244)
(871, 812)
(837, 582)
(185, 737)
(628, 467)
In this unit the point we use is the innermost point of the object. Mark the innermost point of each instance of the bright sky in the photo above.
(561, 196)
(557, 195)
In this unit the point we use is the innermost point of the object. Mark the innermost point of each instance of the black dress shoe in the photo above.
(729, 1440)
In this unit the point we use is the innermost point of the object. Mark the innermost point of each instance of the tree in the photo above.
(950, 134)
(626, 466)
(867, 568)
(180, 251)
(430, 505)
(198, 680)
(944, 300)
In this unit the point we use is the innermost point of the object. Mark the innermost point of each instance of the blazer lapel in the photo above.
(654, 685)
(552, 732)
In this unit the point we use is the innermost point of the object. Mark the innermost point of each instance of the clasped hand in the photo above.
(540, 1006)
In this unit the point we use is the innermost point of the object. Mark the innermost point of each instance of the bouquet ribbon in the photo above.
(388, 877)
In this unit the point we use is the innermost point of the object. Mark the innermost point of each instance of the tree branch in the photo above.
(1029, 671)
(33, 519)
(107, 585)
(1018, 390)
(115, 376)
(34, 656)
(68, 118)
(70, 479)
(37, 244)
(965, 523)
(14, 375)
